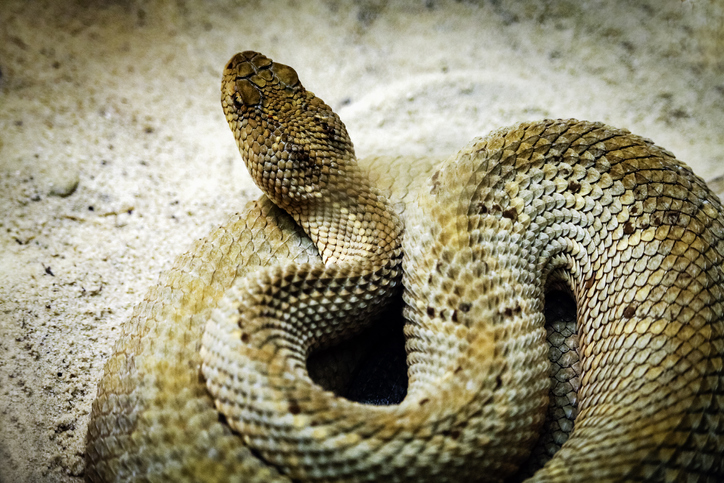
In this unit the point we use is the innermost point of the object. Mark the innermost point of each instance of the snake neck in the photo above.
(299, 154)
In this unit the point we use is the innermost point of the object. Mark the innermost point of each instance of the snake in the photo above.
(212, 377)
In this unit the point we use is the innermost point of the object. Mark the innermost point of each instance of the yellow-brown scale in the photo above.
(636, 237)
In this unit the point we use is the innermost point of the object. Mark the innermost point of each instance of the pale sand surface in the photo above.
(114, 153)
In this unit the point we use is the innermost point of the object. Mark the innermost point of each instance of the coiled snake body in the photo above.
(209, 380)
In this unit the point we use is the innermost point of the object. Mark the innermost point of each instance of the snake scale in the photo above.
(209, 380)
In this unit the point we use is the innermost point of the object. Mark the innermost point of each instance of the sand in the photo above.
(114, 153)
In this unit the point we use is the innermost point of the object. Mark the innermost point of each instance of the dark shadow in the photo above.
(560, 315)
(369, 368)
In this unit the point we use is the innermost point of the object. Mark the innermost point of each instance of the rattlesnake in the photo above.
(209, 381)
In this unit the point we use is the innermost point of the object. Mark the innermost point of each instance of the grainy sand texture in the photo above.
(115, 155)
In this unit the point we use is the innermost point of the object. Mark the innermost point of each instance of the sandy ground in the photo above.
(114, 153)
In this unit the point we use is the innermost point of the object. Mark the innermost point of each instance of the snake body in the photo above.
(209, 380)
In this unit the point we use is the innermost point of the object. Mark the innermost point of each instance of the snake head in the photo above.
(247, 73)
(294, 146)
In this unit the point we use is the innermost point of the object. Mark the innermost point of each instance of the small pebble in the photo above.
(63, 181)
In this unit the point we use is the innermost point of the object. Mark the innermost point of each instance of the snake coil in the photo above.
(209, 379)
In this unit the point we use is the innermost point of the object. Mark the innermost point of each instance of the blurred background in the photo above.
(115, 155)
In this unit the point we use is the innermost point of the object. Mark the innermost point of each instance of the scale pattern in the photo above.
(209, 380)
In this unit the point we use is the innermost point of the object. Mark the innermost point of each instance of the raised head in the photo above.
(294, 146)
(298, 152)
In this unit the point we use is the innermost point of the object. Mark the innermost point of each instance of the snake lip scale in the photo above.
(210, 382)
